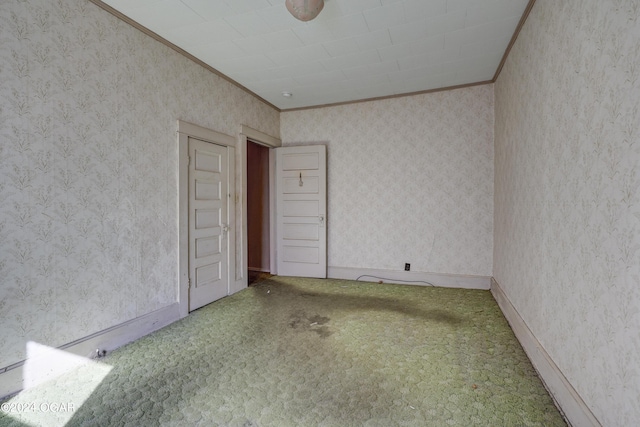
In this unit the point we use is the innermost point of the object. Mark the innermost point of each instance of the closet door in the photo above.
(301, 186)
(208, 223)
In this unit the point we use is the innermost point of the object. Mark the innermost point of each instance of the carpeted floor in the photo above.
(307, 352)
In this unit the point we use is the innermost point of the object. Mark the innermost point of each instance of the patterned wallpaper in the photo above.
(567, 196)
(409, 180)
(88, 168)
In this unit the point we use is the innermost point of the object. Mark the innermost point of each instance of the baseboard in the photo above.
(567, 398)
(410, 277)
(11, 377)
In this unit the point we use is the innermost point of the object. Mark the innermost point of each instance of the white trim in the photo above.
(567, 398)
(108, 340)
(260, 137)
(205, 134)
(233, 222)
(242, 281)
(411, 277)
(183, 224)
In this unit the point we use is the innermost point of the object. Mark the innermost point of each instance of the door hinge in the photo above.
(188, 160)
(189, 283)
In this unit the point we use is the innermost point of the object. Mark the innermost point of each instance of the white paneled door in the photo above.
(301, 185)
(208, 219)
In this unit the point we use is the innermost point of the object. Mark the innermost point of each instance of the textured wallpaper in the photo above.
(409, 180)
(567, 196)
(88, 168)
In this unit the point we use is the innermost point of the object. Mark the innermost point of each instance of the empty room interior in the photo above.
(486, 152)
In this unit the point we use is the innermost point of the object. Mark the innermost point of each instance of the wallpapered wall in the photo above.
(567, 197)
(88, 168)
(409, 180)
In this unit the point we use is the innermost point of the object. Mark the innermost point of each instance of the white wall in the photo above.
(409, 180)
(567, 195)
(88, 168)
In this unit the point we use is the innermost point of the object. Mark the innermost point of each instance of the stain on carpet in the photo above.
(302, 322)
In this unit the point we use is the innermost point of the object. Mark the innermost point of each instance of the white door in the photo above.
(208, 216)
(301, 186)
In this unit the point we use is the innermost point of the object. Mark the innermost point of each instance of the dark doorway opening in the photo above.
(258, 215)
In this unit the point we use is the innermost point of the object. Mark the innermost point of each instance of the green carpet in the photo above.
(307, 352)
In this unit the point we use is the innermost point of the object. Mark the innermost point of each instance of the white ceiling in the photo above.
(355, 49)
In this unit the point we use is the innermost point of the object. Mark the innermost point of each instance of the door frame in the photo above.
(185, 131)
(261, 138)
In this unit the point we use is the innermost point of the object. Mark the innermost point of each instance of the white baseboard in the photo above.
(11, 377)
(410, 277)
(567, 398)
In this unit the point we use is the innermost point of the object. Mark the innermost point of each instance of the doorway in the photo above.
(206, 174)
(258, 212)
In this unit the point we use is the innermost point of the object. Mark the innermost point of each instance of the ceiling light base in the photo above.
(304, 10)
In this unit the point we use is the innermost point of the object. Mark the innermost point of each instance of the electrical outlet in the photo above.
(407, 266)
